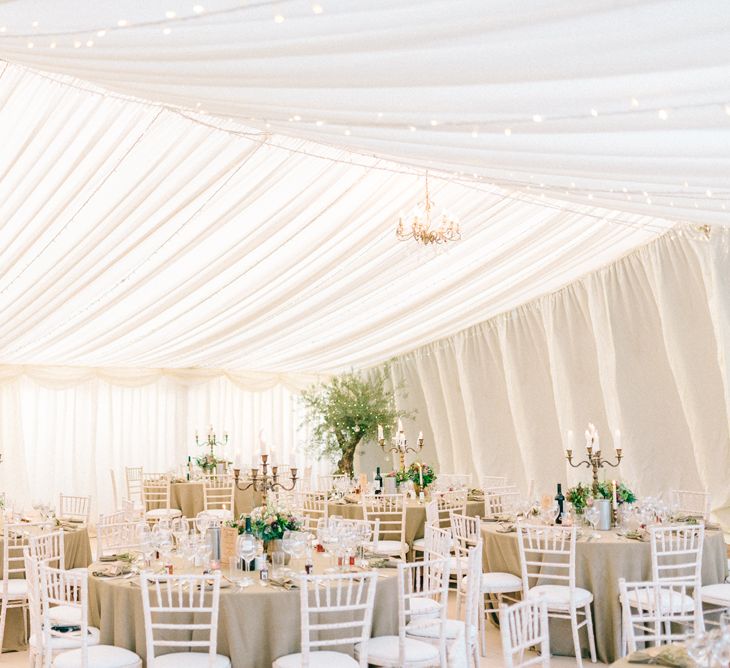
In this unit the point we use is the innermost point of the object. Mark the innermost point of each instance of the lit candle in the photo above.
(617, 439)
(589, 445)
(571, 440)
(420, 435)
(400, 425)
(597, 445)
(380, 432)
(615, 495)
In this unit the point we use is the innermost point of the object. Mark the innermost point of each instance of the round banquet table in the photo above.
(599, 565)
(77, 552)
(255, 625)
(188, 498)
(415, 515)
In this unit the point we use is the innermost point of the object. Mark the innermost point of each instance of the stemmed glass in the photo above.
(592, 515)
(698, 648)
(245, 551)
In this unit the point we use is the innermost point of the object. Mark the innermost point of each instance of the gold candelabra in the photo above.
(211, 441)
(399, 445)
(595, 460)
(264, 482)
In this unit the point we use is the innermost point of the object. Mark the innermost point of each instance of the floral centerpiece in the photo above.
(268, 523)
(208, 462)
(420, 474)
(581, 496)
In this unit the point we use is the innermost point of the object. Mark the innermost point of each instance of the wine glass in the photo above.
(592, 515)
(202, 523)
(246, 551)
(698, 648)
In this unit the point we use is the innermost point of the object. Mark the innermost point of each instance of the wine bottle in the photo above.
(378, 482)
(190, 465)
(561, 500)
(248, 528)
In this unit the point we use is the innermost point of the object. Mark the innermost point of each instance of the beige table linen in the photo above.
(415, 515)
(256, 625)
(599, 565)
(188, 497)
(78, 555)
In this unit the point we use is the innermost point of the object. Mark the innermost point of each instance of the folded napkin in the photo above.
(383, 562)
(112, 571)
(506, 527)
(126, 557)
(284, 583)
(636, 535)
(672, 656)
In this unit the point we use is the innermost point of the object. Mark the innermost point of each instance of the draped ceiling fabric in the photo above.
(199, 200)
(623, 101)
(641, 345)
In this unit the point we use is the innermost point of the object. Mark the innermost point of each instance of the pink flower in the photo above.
(589, 501)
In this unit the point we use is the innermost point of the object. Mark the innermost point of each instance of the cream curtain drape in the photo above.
(63, 429)
(640, 345)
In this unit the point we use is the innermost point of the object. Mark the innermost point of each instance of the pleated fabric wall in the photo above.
(640, 345)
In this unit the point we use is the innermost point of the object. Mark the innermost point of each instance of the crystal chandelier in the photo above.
(428, 225)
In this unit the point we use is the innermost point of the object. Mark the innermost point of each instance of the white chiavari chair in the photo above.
(660, 605)
(390, 509)
(453, 481)
(59, 641)
(524, 626)
(132, 511)
(690, 503)
(437, 543)
(501, 501)
(133, 479)
(70, 589)
(181, 612)
(426, 580)
(547, 558)
(467, 534)
(157, 493)
(74, 509)
(115, 534)
(442, 503)
(457, 631)
(313, 507)
(218, 495)
(676, 558)
(492, 481)
(15, 582)
(336, 611)
(326, 483)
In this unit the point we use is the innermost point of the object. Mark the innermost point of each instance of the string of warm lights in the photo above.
(520, 189)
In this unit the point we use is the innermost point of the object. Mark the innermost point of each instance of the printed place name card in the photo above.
(228, 543)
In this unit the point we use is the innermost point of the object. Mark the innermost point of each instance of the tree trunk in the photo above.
(346, 464)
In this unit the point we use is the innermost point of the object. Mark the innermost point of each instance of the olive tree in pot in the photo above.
(347, 410)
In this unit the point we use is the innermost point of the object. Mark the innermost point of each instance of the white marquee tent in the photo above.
(197, 214)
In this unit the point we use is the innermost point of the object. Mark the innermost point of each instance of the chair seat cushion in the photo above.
(66, 640)
(557, 597)
(191, 660)
(668, 601)
(163, 512)
(389, 547)
(17, 588)
(457, 564)
(419, 544)
(317, 660)
(100, 656)
(425, 607)
(223, 513)
(496, 583)
(65, 614)
(383, 651)
(454, 629)
(717, 594)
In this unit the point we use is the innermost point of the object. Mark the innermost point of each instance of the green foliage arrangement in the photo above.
(579, 495)
(413, 474)
(346, 411)
(268, 523)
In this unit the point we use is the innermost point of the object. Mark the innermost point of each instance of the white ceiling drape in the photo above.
(624, 102)
(131, 236)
